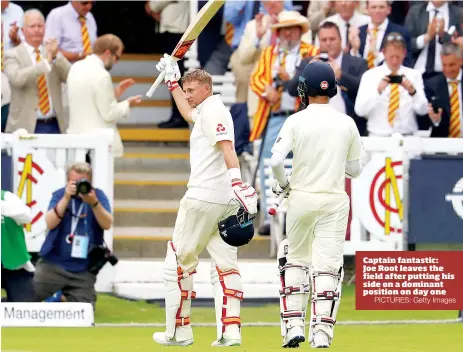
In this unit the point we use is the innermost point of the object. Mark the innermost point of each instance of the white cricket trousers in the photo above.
(316, 226)
(196, 228)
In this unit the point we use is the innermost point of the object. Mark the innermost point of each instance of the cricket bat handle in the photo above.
(156, 84)
(281, 197)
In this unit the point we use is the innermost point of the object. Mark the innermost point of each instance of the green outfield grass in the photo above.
(359, 338)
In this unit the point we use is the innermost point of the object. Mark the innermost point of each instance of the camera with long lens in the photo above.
(83, 186)
(99, 256)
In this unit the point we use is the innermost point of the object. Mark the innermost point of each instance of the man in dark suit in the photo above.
(446, 87)
(348, 70)
(429, 24)
(367, 41)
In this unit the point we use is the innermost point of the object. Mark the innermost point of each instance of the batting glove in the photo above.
(246, 195)
(170, 67)
(277, 189)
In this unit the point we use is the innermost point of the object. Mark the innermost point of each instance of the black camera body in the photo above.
(98, 257)
(83, 186)
(435, 104)
(324, 57)
(395, 79)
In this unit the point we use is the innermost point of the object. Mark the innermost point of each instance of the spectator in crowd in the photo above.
(12, 21)
(390, 96)
(76, 223)
(347, 17)
(257, 36)
(348, 70)
(17, 269)
(35, 70)
(276, 65)
(368, 40)
(429, 24)
(447, 89)
(74, 26)
(93, 101)
(319, 10)
(173, 18)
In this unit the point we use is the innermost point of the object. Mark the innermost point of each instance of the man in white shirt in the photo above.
(347, 16)
(326, 146)
(446, 88)
(391, 96)
(214, 185)
(93, 101)
(367, 41)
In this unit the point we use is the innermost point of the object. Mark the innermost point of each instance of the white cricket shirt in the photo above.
(322, 140)
(209, 180)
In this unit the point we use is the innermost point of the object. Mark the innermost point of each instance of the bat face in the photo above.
(196, 27)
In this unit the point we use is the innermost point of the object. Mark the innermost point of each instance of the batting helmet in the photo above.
(238, 229)
(318, 79)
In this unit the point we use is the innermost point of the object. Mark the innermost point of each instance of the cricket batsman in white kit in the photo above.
(326, 146)
(214, 185)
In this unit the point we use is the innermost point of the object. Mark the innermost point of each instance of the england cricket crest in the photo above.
(35, 180)
(377, 197)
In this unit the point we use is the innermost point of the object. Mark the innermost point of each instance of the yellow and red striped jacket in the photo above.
(262, 77)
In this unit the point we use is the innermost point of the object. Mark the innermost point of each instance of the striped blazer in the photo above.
(262, 77)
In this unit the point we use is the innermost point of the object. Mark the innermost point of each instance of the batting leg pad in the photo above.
(178, 297)
(326, 299)
(228, 294)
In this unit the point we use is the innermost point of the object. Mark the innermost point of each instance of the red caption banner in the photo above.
(423, 280)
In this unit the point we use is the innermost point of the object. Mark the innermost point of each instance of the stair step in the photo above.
(150, 213)
(155, 134)
(133, 185)
(146, 206)
(140, 160)
(136, 66)
(146, 115)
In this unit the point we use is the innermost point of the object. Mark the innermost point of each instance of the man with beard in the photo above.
(93, 101)
(276, 66)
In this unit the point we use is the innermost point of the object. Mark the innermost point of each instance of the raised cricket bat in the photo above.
(191, 34)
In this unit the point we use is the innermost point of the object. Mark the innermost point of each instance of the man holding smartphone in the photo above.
(399, 95)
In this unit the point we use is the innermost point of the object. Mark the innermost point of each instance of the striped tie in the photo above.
(229, 32)
(371, 56)
(280, 89)
(1, 33)
(393, 103)
(85, 37)
(455, 127)
(44, 102)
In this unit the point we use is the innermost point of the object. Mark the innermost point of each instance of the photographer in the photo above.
(77, 217)
(391, 96)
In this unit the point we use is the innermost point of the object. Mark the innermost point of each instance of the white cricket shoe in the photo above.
(320, 340)
(294, 337)
(226, 342)
(161, 338)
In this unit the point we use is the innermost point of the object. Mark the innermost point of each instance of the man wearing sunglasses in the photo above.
(391, 96)
(75, 28)
(93, 101)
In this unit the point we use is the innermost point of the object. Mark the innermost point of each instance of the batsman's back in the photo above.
(323, 140)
